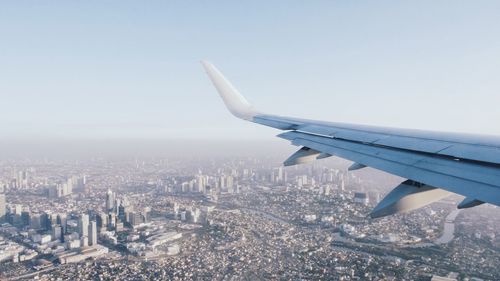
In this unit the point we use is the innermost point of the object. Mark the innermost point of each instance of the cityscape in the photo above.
(236, 217)
(250, 140)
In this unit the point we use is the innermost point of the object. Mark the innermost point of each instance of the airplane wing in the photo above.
(434, 163)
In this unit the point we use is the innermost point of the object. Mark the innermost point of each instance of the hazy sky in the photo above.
(130, 69)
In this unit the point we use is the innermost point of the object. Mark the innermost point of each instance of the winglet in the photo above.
(235, 102)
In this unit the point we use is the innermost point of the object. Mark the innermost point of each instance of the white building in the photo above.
(92, 233)
(83, 225)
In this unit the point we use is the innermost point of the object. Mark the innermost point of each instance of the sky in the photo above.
(130, 69)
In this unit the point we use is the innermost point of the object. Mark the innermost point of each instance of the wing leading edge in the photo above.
(435, 163)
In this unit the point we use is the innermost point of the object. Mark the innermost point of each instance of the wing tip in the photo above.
(234, 101)
(206, 64)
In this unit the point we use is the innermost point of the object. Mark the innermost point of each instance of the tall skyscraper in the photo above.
(17, 210)
(92, 233)
(280, 174)
(101, 221)
(176, 210)
(222, 182)
(83, 225)
(110, 200)
(61, 220)
(201, 183)
(25, 218)
(111, 221)
(230, 183)
(146, 213)
(3, 207)
(57, 232)
(116, 206)
(45, 221)
(22, 179)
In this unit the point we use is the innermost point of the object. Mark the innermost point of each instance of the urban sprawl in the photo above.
(233, 218)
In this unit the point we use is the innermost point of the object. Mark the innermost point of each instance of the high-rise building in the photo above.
(222, 182)
(35, 221)
(83, 225)
(116, 206)
(16, 214)
(102, 221)
(111, 221)
(25, 218)
(59, 190)
(230, 183)
(22, 179)
(302, 180)
(45, 221)
(57, 232)
(18, 208)
(195, 215)
(61, 220)
(278, 175)
(110, 200)
(76, 183)
(176, 210)
(3, 207)
(92, 233)
(201, 181)
(136, 218)
(146, 213)
(361, 197)
(122, 212)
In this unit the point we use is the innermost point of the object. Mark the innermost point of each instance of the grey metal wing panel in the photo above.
(483, 140)
(431, 146)
(360, 136)
(484, 149)
(445, 173)
(317, 129)
(473, 152)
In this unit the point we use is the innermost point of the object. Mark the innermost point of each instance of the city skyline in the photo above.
(239, 217)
